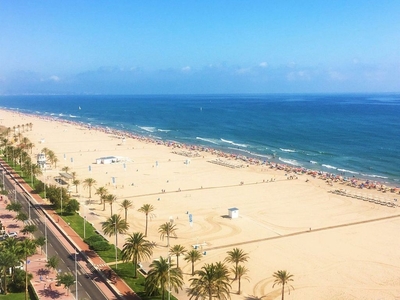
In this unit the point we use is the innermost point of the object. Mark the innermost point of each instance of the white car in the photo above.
(12, 234)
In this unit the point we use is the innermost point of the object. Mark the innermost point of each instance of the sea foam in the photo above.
(290, 161)
(212, 141)
(235, 144)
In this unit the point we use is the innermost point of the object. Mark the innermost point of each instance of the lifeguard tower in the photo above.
(233, 213)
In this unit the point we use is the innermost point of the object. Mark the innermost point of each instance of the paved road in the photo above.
(87, 289)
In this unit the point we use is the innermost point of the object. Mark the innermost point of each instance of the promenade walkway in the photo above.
(116, 289)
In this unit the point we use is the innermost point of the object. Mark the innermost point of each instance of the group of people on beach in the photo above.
(193, 150)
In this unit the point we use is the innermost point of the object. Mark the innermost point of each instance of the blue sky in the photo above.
(156, 47)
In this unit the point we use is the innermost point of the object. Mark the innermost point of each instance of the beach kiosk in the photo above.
(41, 160)
(233, 212)
(107, 160)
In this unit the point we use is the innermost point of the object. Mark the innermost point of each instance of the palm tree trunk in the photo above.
(111, 209)
(26, 278)
(283, 291)
(5, 280)
(147, 220)
(126, 214)
(134, 268)
(239, 286)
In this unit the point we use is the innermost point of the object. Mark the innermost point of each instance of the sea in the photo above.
(354, 135)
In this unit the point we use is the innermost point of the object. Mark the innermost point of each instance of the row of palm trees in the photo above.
(211, 281)
(12, 253)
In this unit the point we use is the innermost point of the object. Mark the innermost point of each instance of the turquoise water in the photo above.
(352, 134)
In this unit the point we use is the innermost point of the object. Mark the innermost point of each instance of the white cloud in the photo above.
(243, 71)
(54, 78)
(263, 64)
(336, 76)
(298, 75)
(186, 69)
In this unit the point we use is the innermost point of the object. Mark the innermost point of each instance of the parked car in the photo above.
(12, 234)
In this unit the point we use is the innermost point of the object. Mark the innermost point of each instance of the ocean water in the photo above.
(351, 134)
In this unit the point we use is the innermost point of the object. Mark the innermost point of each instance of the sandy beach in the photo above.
(337, 247)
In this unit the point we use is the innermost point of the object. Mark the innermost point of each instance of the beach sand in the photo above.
(351, 251)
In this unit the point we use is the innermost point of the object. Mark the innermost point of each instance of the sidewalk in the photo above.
(118, 285)
(43, 281)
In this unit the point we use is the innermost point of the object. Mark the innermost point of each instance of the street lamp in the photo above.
(76, 278)
(61, 200)
(31, 175)
(169, 277)
(45, 233)
(116, 253)
(29, 208)
(45, 183)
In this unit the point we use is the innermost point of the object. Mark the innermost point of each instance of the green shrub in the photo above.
(39, 187)
(93, 239)
(101, 246)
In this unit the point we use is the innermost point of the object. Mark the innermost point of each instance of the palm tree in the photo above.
(212, 281)
(162, 275)
(52, 263)
(110, 199)
(89, 183)
(136, 248)
(14, 206)
(126, 204)
(40, 241)
(21, 216)
(282, 277)
(54, 160)
(167, 229)
(26, 248)
(11, 245)
(240, 272)
(5, 263)
(236, 256)
(113, 226)
(76, 182)
(29, 229)
(65, 169)
(177, 250)
(147, 209)
(67, 279)
(192, 256)
(102, 192)
(36, 171)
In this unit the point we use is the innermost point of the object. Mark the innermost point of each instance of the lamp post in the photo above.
(61, 201)
(29, 208)
(169, 277)
(76, 278)
(116, 253)
(45, 233)
(31, 175)
(84, 220)
(45, 183)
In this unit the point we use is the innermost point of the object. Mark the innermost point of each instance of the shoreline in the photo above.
(363, 181)
(344, 256)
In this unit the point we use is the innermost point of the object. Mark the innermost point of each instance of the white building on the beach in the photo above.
(41, 160)
(107, 160)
